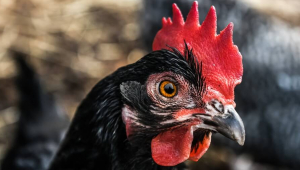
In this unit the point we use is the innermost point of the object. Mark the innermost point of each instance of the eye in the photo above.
(167, 89)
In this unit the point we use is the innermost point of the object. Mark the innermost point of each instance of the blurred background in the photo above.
(73, 44)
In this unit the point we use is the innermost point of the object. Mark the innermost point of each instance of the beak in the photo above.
(227, 123)
(230, 125)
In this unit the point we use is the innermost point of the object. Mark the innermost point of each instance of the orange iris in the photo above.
(167, 89)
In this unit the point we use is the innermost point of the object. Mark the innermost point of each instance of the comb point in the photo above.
(177, 16)
(226, 34)
(164, 21)
(210, 23)
(169, 21)
(193, 16)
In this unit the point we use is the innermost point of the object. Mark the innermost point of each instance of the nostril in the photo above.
(217, 105)
(220, 107)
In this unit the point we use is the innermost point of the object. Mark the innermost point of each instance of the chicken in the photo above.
(153, 114)
(41, 126)
(161, 110)
(268, 99)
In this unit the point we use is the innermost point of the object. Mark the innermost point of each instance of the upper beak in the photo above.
(228, 124)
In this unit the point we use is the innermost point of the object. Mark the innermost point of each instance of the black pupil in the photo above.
(169, 88)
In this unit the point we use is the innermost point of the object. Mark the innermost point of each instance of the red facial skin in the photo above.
(186, 112)
(174, 146)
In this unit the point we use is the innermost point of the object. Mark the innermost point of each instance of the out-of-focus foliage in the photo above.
(72, 44)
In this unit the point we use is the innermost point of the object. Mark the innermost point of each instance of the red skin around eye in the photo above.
(185, 112)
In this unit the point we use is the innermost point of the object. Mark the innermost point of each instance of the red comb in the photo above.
(221, 60)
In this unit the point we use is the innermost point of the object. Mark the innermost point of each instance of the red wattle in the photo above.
(173, 147)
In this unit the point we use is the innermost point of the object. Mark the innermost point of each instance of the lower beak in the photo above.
(228, 124)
